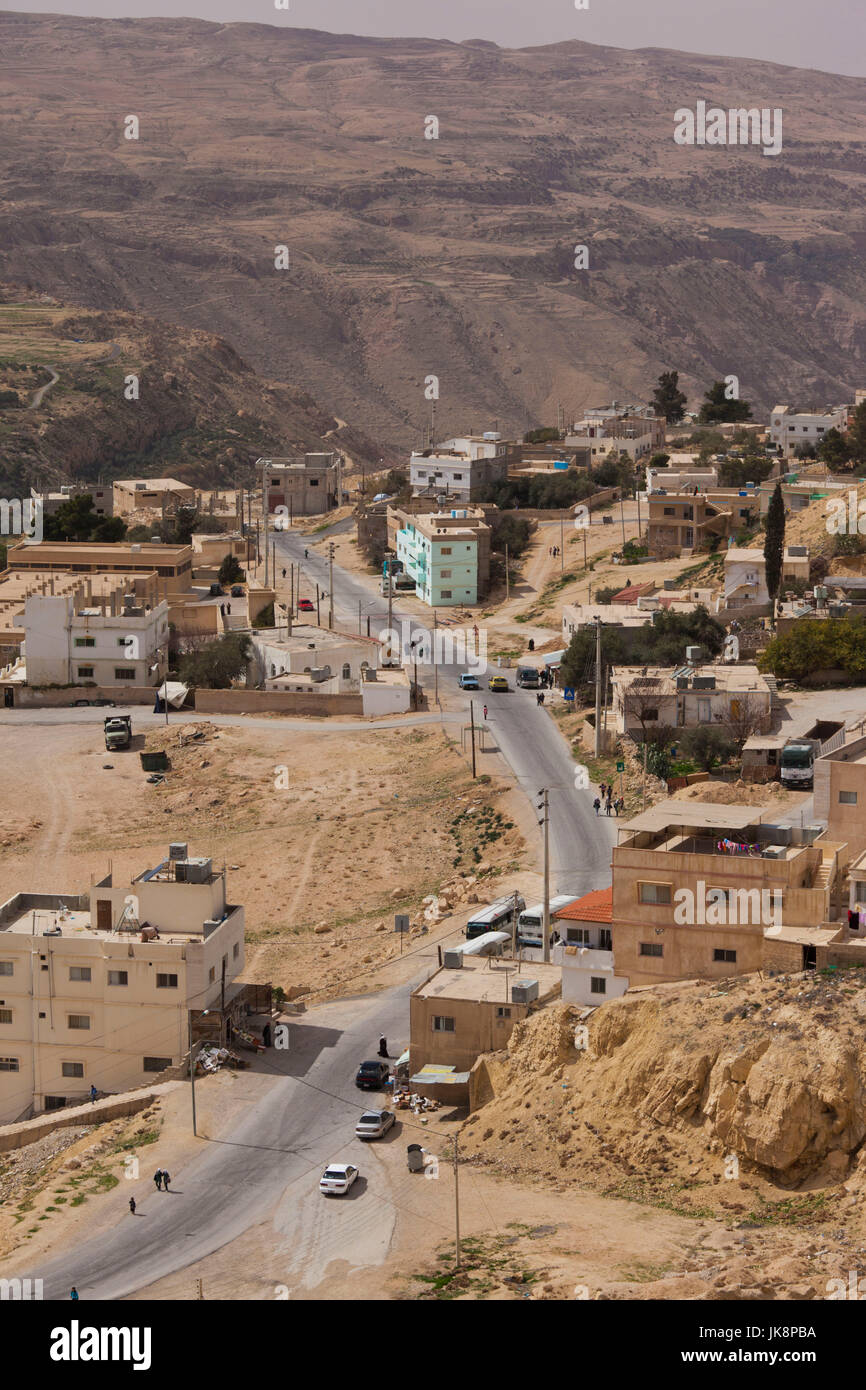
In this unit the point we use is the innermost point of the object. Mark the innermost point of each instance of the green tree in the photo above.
(719, 408)
(546, 435)
(230, 571)
(774, 543)
(813, 645)
(660, 460)
(77, 520)
(708, 745)
(835, 449)
(513, 531)
(395, 481)
(215, 665)
(668, 399)
(857, 434)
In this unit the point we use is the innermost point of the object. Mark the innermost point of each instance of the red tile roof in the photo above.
(592, 907)
(632, 592)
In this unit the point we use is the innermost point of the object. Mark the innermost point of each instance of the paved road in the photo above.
(285, 1139)
(278, 1150)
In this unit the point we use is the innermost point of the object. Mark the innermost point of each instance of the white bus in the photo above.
(499, 916)
(531, 921)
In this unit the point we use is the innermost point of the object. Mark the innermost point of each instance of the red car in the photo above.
(306, 605)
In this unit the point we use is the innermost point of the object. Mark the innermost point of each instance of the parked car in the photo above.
(498, 683)
(306, 605)
(237, 591)
(372, 1075)
(468, 682)
(374, 1123)
(607, 520)
(337, 1179)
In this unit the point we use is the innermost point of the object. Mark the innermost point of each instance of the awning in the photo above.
(433, 1075)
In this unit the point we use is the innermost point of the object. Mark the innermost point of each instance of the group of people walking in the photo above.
(161, 1178)
(553, 551)
(608, 801)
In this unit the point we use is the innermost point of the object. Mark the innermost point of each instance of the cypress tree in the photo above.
(774, 544)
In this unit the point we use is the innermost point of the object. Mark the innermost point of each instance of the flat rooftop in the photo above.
(488, 978)
(133, 554)
(79, 926)
(671, 812)
(305, 636)
(152, 485)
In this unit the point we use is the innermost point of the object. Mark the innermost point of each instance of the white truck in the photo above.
(797, 763)
(118, 732)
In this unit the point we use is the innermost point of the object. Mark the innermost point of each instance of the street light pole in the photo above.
(545, 807)
(331, 584)
(598, 687)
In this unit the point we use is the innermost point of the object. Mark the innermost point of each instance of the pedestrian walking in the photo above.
(132, 1205)
(229, 607)
(266, 1035)
(73, 1293)
(93, 1094)
(608, 806)
(383, 1046)
(306, 553)
(485, 711)
(597, 805)
(284, 574)
(157, 1177)
(603, 790)
(165, 1179)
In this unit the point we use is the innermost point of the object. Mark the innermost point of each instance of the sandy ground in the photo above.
(332, 832)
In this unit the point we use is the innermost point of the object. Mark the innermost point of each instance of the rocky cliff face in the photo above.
(454, 257)
(679, 1086)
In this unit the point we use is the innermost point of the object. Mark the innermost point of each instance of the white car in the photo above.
(374, 1123)
(337, 1179)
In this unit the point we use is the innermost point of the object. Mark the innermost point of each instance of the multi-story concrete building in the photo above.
(790, 429)
(151, 494)
(102, 494)
(121, 641)
(697, 887)
(446, 553)
(684, 521)
(646, 698)
(745, 576)
(172, 564)
(99, 989)
(306, 486)
(585, 950)
(460, 468)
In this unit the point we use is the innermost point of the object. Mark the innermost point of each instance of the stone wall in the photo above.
(275, 702)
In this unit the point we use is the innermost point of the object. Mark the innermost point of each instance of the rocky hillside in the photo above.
(197, 411)
(451, 256)
(747, 1096)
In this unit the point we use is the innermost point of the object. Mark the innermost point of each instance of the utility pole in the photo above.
(292, 586)
(388, 561)
(645, 748)
(637, 499)
(472, 723)
(598, 687)
(562, 545)
(265, 518)
(507, 588)
(359, 618)
(585, 529)
(318, 613)
(622, 513)
(456, 1206)
(191, 1070)
(331, 593)
(545, 807)
(435, 662)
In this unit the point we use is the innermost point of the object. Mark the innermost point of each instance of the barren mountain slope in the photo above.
(451, 256)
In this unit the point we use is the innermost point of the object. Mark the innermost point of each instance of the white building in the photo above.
(313, 658)
(789, 428)
(98, 990)
(460, 467)
(122, 642)
(745, 575)
(585, 950)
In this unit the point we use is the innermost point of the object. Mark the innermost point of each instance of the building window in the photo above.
(597, 985)
(445, 550)
(236, 950)
(649, 715)
(85, 642)
(347, 671)
(442, 1024)
(654, 894)
(6, 967)
(80, 1021)
(651, 948)
(81, 973)
(118, 977)
(446, 593)
(122, 641)
(8, 1063)
(729, 957)
(122, 673)
(5, 1015)
(577, 936)
(314, 482)
(847, 798)
(503, 1012)
(72, 1069)
(444, 574)
(85, 673)
(211, 974)
(166, 982)
(155, 1063)
(55, 1102)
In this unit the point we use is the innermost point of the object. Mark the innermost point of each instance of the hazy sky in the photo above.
(827, 34)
